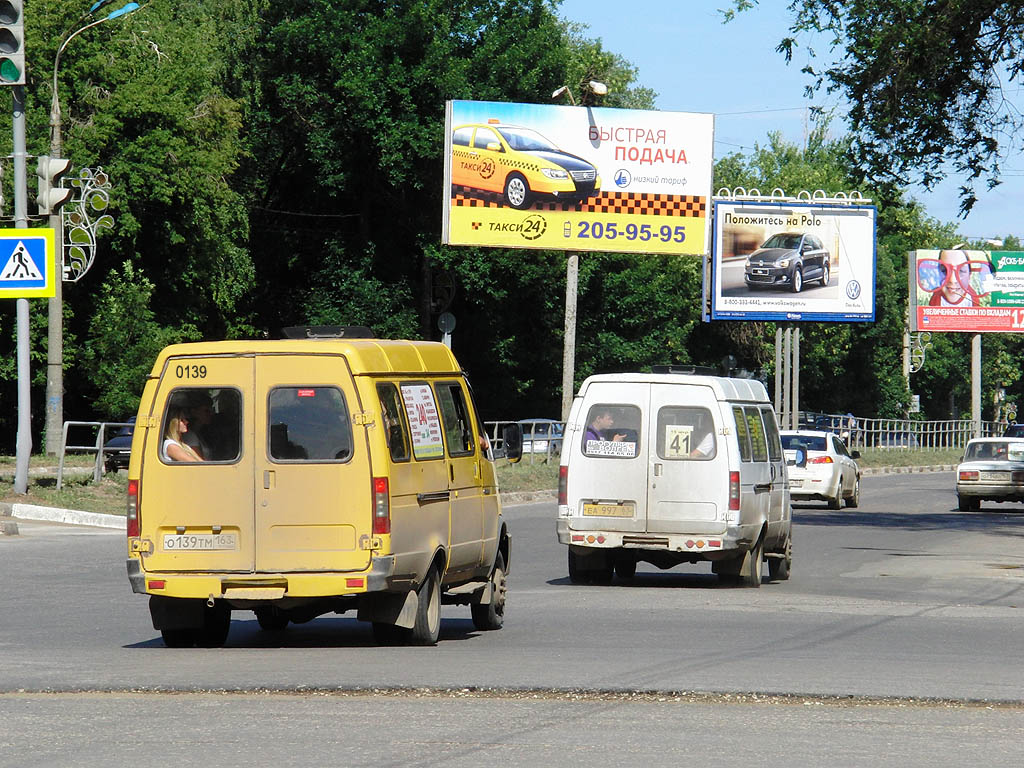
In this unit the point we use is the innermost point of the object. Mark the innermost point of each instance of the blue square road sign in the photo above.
(27, 263)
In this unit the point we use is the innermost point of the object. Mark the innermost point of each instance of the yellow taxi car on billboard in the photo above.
(520, 164)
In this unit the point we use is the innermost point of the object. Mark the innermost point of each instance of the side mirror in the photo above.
(854, 455)
(512, 440)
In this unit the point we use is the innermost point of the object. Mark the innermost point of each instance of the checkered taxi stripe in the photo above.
(641, 203)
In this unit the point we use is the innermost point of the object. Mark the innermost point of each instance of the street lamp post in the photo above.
(55, 305)
(572, 271)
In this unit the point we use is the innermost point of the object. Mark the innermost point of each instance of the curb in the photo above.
(508, 499)
(66, 516)
(907, 470)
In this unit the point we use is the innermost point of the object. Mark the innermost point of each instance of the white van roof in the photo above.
(748, 390)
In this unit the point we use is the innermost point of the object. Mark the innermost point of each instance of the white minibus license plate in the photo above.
(199, 542)
(608, 510)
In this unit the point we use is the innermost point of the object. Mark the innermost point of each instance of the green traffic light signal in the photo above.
(12, 42)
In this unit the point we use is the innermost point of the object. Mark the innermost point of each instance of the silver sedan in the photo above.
(992, 469)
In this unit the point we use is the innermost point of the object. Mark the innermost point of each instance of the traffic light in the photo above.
(12, 42)
(51, 197)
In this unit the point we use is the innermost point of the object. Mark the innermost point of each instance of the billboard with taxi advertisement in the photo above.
(793, 260)
(967, 291)
(577, 178)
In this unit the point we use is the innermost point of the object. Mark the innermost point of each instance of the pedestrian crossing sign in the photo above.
(28, 264)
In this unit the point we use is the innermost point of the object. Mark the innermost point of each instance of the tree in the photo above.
(928, 83)
(124, 340)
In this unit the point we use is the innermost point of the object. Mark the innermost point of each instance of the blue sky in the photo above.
(697, 64)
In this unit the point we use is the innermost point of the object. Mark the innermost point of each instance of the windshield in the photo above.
(525, 140)
(996, 451)
(789, 242)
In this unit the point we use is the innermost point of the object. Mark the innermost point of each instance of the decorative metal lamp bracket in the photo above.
(742, 194)
(83, 218)
(919, 343)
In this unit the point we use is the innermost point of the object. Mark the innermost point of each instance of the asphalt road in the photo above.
(901, 624)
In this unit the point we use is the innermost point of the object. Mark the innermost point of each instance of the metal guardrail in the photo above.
(553, 450)
(101, 428)
(858, 433)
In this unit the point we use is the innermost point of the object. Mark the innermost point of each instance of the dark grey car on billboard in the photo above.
(788, 260)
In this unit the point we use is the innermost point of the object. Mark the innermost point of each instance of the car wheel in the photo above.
(825, 276)
(517, 191)
(492, 615)
(428, 610)
(854, 499)
(836, 502)
(751, 569)
(798, 280)
(963, 503)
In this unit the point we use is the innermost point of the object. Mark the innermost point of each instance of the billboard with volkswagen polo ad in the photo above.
(577, 178)
(967, 291)
(791, 261)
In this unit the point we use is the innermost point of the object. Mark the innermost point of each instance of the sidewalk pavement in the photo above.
(11, 512)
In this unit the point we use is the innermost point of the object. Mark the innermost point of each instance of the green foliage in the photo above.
(124, 339)
(927, 81)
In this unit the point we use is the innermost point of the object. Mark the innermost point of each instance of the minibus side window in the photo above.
(458, 428)
(309, 424)
(204, 423)
(742, 435)
(395, 430)
(685, 432)
(758, 446)
(612, 431)
(771, 430)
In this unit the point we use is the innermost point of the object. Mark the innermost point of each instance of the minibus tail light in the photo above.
(734, 491)
(563, 485)
(133, 508)
(381, 506)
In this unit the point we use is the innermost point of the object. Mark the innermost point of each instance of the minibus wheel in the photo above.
(178, 638)
(778, 567)
(216, 623)
(428, 610)
(751, 574)
(625, 567)
(492, 615)
(271, 619)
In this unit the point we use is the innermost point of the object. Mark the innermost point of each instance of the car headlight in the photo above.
(555, 173)
(782, 264)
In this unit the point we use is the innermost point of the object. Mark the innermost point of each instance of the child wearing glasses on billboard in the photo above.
(955, 279)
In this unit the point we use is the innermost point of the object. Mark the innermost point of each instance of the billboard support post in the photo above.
(976, 383)
(572, 265)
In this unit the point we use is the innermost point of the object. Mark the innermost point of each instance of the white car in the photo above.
(828, 471)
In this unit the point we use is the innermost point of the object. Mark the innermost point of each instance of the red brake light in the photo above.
(734, 490)
(133, 508)
(820, 460)
(381, 506)
(563, 484)
(968, 475)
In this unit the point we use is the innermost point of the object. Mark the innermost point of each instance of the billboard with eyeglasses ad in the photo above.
(792, 261)
(966, 291)
(577, 178)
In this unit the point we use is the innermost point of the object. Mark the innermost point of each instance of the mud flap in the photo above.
(390, 608)
(176, 612)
